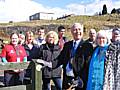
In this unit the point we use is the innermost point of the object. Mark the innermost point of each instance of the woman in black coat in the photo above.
(48, 52)
(31, 50)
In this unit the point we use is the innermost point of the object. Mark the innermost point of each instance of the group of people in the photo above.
(91, 64)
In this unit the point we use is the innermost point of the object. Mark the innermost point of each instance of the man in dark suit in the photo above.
(75, 60)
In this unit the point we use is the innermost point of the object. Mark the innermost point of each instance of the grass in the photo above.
(98, 22)
(86, 20)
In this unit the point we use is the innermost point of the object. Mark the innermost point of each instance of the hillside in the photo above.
(97, 22)
(92, 21)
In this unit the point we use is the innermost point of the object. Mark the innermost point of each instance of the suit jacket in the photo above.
(80, 61)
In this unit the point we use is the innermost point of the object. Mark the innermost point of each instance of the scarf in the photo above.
(96, 69)
(112, 67)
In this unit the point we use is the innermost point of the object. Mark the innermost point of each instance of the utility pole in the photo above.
(85, 8)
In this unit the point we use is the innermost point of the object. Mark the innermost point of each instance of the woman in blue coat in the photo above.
(97, 63)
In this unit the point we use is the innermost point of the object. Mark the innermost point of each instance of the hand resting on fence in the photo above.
(44, 63)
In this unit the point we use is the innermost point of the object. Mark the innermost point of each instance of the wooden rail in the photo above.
(36, 75)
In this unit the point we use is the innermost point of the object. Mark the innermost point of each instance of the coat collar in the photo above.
(56, 47)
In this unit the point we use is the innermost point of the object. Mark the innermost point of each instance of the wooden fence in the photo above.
(36, 75)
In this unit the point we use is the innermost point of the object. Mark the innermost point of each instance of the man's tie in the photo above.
(74, 49)
(69, 67)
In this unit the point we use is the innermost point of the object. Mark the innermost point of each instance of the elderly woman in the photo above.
(14, 52)
(48, 52)
(96, 69)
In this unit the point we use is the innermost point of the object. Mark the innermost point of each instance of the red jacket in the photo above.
(11, 53)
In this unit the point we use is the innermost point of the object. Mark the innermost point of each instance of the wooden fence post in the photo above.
(36, 78)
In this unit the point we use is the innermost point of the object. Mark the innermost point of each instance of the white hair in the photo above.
(102, 33)
(77, 25)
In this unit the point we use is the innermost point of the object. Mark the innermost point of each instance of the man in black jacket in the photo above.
(92, 37)
(75, 59)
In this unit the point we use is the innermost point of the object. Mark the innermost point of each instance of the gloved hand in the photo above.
(44, 63)
(40, 61)
(77, 83)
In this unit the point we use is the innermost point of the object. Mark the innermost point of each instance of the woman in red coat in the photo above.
(13, 52)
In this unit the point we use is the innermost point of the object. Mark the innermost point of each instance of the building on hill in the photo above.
(118, 11)
(41, 15)
(66, 16)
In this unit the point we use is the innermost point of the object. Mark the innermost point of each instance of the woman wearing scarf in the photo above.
(96, 69)
(112, 71)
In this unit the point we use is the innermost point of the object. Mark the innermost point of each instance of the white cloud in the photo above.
(58, 12)
(20, 10)
(76, 8)
(92, 8)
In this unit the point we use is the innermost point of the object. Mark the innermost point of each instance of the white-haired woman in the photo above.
(97, 63)
(48, 52)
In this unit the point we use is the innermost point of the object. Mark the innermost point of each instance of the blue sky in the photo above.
(20, 10)
(62, 3)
